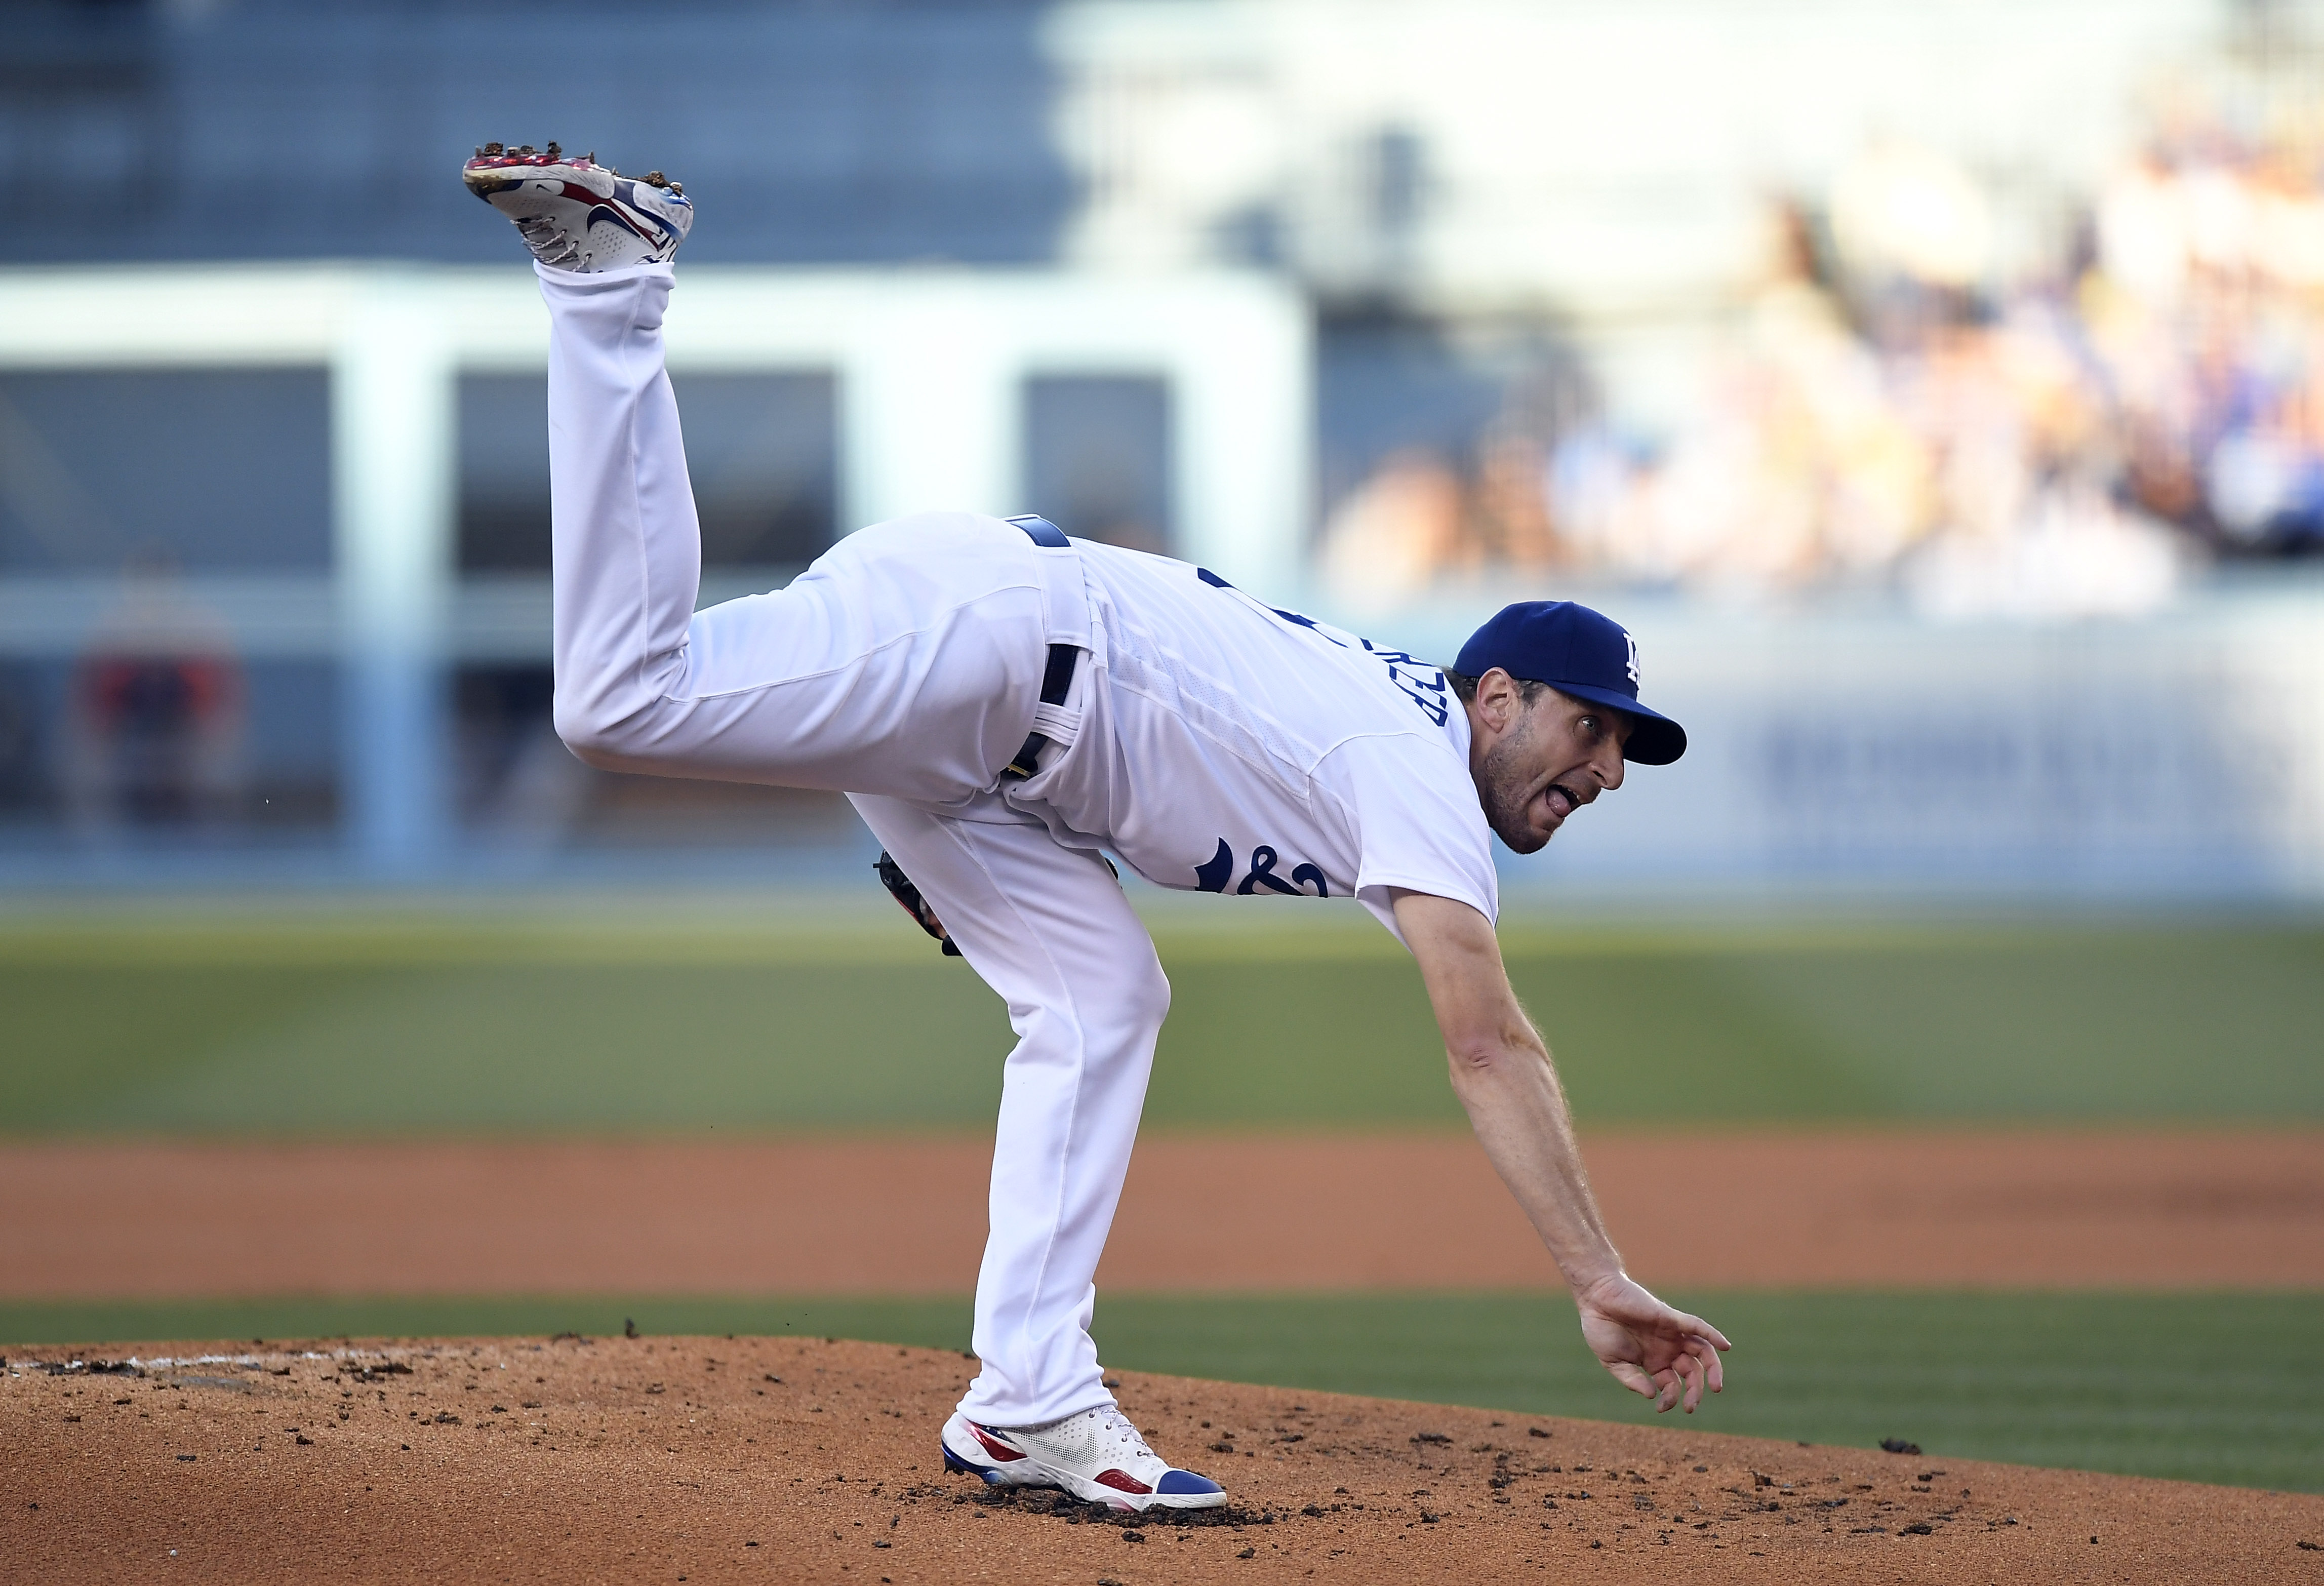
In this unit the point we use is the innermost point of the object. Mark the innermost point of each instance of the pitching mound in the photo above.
(787, 1460)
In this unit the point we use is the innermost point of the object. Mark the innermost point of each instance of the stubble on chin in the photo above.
(1502, 790)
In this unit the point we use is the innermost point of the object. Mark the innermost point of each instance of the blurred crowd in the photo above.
(155, 728)
(1883, 411)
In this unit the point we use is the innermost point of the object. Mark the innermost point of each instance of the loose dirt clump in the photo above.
(783, 1458)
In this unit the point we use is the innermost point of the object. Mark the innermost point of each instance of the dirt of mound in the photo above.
(153, 1219)
(697, 1460)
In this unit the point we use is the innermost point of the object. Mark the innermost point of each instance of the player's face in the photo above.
(1543, 762)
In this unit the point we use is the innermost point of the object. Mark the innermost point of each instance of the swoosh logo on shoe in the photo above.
(621, 220)
(995, 1447)
(1122, 1482)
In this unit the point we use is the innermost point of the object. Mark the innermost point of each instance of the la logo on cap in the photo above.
(1633, 662)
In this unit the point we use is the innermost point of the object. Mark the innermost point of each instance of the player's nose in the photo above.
(1610, 765)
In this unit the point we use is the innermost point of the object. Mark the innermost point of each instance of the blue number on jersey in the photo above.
(1212, 875)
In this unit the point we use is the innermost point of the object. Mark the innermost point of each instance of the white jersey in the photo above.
(1228, 746)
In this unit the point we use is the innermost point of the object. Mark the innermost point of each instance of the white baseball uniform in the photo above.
(1208, 740)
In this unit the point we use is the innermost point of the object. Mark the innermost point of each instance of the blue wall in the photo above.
(874, 130)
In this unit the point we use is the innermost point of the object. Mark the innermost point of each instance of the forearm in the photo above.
(1502, 1072)
(1518, 1109)
(1503, 1076)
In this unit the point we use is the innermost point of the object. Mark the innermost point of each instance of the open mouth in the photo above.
(1563, 801)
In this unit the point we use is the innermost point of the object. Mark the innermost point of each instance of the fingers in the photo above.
(1681, 1382)
(1696, 1374)
(1706, 1355)
(1697, 1326)
(1631, 1377)
(1663, 1355)
(1699, 1358)
(1693, 1366)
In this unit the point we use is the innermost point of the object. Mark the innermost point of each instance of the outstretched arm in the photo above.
(1502, 1072)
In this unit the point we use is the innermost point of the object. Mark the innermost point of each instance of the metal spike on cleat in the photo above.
(553, 215)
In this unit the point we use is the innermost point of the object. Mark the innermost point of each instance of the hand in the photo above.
(1650, 1348)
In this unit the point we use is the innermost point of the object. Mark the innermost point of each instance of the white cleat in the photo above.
(577, 215)
(1097, 1456)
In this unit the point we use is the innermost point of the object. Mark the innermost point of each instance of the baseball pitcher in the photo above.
(1003, 705)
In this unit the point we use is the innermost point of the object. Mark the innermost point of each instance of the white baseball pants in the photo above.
(903, 668)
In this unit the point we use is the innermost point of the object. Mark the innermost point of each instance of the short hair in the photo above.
(1465, 687)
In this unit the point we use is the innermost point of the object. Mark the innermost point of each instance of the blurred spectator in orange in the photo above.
(1394, 532)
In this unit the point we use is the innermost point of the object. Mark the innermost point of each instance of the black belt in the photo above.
(1058, 677)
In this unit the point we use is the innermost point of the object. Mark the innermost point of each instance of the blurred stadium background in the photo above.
(1936, 389)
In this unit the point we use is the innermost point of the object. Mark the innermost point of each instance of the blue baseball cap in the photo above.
(1577, 651)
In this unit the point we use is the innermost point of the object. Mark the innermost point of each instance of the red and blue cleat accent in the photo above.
(577, 215)
(1097, 1455)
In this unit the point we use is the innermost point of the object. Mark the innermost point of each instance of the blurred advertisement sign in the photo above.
(2182, 754)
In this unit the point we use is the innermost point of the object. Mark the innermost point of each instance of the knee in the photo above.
(1121, 1013)
(593, 736)
(1118, 1026)
(1145, 1002)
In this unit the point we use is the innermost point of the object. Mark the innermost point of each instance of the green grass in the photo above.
(2200, 1387)
(609, 1015)
(613, 1018)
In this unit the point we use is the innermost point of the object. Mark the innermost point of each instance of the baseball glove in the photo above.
(900, 887)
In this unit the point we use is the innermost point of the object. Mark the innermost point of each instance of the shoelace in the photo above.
(550, 243)
(1113, 1421)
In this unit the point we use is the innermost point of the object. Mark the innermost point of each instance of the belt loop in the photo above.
(1065, 598)
(1065, 618)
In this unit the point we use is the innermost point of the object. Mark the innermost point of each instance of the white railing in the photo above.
(929, 365)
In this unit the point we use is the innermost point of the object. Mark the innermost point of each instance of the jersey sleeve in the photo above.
(1417, 824)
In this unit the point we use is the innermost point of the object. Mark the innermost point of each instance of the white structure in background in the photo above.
(929, 368)
(1612, 163)
(2181, 752)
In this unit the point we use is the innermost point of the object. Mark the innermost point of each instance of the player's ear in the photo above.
(1500, 700)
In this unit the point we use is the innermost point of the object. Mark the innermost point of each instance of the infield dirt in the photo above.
(1927, 1209)
(661, 1460)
